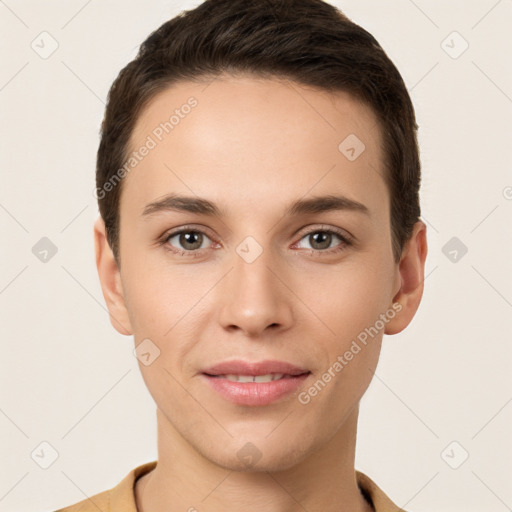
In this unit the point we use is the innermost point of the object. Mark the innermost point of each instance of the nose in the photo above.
(254, 297)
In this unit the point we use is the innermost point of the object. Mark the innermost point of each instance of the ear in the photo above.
(410, 278)
(110, 279)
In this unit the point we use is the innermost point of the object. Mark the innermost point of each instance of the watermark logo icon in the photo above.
(454, 249)
(352, 147)
(45, 45)
(146, 352)
(454, 45)
(44, 455)
(44, 250)
(249, 454)
(249, 249)
(455, 455)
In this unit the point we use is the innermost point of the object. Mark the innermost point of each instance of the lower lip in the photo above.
(255, 393)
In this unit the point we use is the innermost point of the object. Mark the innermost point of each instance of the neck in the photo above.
(184, 480)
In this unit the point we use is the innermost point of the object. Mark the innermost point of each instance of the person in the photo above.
(258, 184)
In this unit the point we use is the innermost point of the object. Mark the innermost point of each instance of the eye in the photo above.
(189, 241)
(321, 240)
(186, 241)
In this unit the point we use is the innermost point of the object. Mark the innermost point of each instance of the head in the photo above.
(246, 113)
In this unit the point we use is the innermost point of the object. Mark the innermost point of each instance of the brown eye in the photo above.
(324, 240)
(188, 240)
(320, 240)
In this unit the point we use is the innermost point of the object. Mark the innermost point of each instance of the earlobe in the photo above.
(110, 280)
(411, 274)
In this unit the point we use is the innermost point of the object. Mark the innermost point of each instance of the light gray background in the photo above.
(69, 379)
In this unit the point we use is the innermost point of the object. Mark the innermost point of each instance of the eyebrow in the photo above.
(175, 202)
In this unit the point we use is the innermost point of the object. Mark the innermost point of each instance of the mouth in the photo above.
(255, 383)
(268, 377)
(238, 367)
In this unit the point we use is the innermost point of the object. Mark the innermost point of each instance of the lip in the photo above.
(255, 393)
(240, 367)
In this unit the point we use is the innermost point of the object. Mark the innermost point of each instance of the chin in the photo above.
(258, 455)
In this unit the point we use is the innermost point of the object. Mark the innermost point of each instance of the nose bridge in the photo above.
(252, 298)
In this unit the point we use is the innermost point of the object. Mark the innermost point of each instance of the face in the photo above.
(266, 270)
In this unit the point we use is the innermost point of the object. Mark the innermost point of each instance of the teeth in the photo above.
(269, 377)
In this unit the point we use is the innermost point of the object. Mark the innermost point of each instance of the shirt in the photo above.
(121, 498)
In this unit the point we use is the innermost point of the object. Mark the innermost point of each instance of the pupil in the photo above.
(187, 238)
(324, 236)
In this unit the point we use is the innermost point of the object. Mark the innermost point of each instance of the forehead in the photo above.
(243, 137)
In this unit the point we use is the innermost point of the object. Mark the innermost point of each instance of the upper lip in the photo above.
(239, 367)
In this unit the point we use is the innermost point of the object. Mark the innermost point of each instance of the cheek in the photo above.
(349, 298)
(349, 308)
(158, 296)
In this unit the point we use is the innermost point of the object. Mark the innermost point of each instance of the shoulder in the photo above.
(375, 495)
(119, 498)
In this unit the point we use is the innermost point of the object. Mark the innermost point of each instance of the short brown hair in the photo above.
(307, 41)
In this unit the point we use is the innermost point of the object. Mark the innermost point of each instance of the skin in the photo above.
(253, 146)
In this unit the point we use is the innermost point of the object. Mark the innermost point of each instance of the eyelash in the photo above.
(346, 241)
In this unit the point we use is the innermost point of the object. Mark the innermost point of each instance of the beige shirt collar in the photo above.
(121, 498)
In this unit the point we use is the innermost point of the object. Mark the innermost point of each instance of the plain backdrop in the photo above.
(434, 429)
